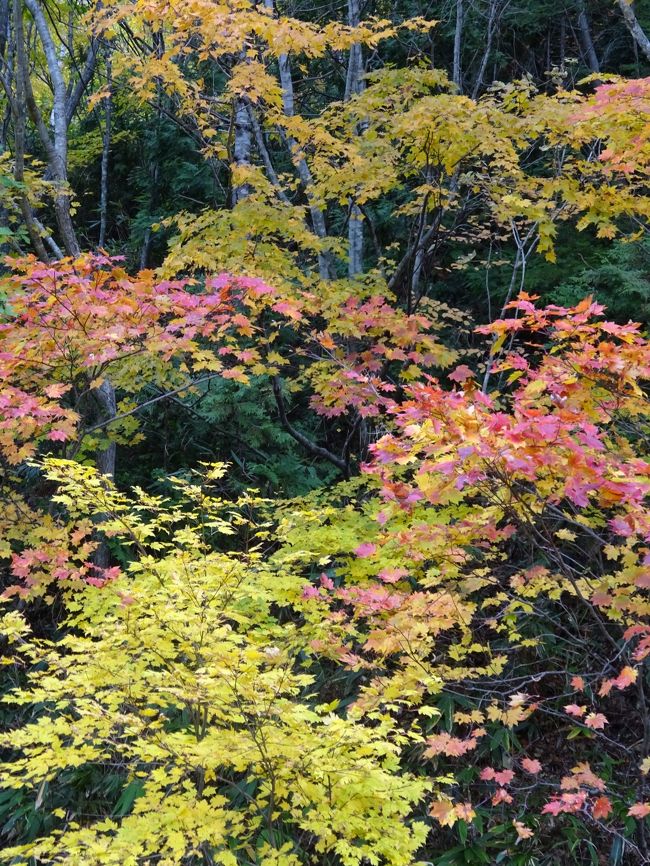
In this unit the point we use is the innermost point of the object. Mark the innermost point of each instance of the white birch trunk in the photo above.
(354, 86)
(632, 23)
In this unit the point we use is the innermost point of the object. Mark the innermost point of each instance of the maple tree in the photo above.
(439, 653)
(421, 590)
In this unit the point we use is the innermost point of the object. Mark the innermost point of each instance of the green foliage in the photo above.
(231, 422)
(620, 279)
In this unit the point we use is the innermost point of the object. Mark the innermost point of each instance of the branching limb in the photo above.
(314, 449)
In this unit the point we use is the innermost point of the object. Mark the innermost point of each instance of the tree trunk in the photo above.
(319, 226)
(492, 23)
(105, 397)
(106, 148)
(19, 104)
(632, 23)
(457, 72)
(586, 40)
(242, 147)
(57, 148)
(5, 20)
(353, 86)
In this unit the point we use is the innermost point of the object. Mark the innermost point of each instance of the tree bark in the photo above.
(56, 147)
(457, 72)
(5, 18)
(319, 226)
(353, 86)
(586, 39)
(632, 23)
(106, 149)
(242, 146)
(258, 134)
(19, 104)
(105, 397)
(492, 24)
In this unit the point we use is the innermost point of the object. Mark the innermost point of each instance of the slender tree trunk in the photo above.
(319, 226)
(355, 240)
(242, 146)
(5, 27)
(353, 86)
(586, 39)
(457, 72)
(19, 111)
(492, 24)
(106, 149)
(258, 135)
(640, 37)
(105, 396)
(58, 147)
(353, 79)
(151, 157)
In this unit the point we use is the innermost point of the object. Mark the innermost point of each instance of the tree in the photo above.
(632, 24)
(229, 748)
(435, 650)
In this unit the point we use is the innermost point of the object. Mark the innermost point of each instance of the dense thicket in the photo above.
(324, 533)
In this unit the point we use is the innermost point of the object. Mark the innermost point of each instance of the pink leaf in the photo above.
(58, 435)
(56, 391)
(575, 710)
(392, 575)
(639, 810)
(461, 374)
(531, 765)
(578, 683)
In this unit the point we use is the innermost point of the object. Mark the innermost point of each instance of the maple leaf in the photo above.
(569, 802)
(465, 811)
(57, 390)
(575, 710)
(58, 435)
(445, 744)
(639, 810)
(501, 796)
(392, 575)
(444, 812)
(596, 721)
(366, 549)
(582, 775)
(503, 777)
(602, 807)
(531, 765)
(626, 678)
(461, 374)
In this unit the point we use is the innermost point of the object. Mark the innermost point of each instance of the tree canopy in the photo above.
(324, 365)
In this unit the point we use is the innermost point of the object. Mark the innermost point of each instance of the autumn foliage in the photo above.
(485, 520)
(436, 651)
